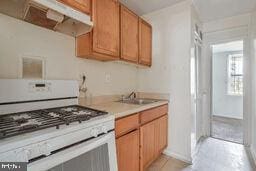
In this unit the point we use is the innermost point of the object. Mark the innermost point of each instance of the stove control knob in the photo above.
(45, 149)
(24, 154)
(94, 132)
(104, 129)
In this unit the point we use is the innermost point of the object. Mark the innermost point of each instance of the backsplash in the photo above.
(58, 52)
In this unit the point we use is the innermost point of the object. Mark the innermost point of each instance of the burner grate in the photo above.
(24, 122)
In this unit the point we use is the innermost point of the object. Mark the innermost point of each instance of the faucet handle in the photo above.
(123, 97)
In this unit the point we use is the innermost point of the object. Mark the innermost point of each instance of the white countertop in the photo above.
(123, 109)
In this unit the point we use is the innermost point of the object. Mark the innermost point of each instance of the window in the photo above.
(235, 74)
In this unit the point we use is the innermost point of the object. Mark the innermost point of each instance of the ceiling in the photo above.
(216, 9)
(141, 7)
(228, 47)
(208, 9)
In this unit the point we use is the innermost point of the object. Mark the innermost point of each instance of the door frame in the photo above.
(247, 115)
(211, 97)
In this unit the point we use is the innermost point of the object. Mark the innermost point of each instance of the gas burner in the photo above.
(21, 121)
(21, 116)
(83, 112)
(69, 109)
(55, 115)
(31, 122)
(28, 127)
(83, 117)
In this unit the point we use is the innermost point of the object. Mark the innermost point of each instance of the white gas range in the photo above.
(41, 124)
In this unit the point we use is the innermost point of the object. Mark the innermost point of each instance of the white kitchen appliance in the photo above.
(50, 14)
(42, 124)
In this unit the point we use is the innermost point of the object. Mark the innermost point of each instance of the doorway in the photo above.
(196, 98)
(227, 91)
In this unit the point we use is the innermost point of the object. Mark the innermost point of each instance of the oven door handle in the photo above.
(75, 151)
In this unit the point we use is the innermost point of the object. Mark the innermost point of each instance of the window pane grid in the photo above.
(235, 74)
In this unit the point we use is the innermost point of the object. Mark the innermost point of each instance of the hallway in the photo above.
(213, 155)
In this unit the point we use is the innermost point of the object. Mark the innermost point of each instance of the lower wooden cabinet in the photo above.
(161, 134)
(147, 144)
(128, 152)
(141, 138)
(153, 140)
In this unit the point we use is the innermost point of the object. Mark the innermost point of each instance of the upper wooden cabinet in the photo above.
(103, 43)
(129, 35)
(81, 5)
(145, 44)
(118, 33)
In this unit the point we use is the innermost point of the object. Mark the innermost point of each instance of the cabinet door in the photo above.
(105, 14)
(161, 134)
(129, 35)
(145, 46)
(147, 144)
(128, 152)
(81, 5)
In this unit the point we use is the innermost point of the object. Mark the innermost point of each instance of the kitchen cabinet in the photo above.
(128, 152)
(147, 143)
(127, 124)
(103, 42)
(145, 43)
(117, 34)
(161, 134)
(153, 140)
(152, 114)
(144, 132)
(80, 5)
(129, 35)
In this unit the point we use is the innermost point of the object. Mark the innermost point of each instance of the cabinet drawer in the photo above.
(151, 114)
(126, 124)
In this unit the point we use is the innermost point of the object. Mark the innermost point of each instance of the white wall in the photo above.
(19, 39)
(223, 104)
(253, 53)
(170, 72)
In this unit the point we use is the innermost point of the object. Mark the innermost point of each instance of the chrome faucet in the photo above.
(133, 94)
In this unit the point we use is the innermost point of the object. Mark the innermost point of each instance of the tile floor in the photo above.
(213, 155)
(227, 129)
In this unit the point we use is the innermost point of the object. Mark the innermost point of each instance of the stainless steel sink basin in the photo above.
(138, 101)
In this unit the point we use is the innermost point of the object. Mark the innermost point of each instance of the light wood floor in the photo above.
(213, 155)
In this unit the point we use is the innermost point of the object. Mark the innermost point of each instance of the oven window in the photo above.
(95, 160)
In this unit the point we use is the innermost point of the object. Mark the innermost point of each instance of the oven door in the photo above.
(97, 154)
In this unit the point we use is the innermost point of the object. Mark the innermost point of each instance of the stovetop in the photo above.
(24, 122)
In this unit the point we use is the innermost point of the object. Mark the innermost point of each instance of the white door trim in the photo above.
(247, 86)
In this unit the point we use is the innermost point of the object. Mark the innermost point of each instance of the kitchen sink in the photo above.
(138, 101)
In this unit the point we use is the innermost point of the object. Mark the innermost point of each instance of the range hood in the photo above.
(49, 14)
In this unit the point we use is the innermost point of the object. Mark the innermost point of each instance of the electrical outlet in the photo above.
(107, 78)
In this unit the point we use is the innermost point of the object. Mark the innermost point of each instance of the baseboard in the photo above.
(253, 152)
(178, 156)
(227, 117)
